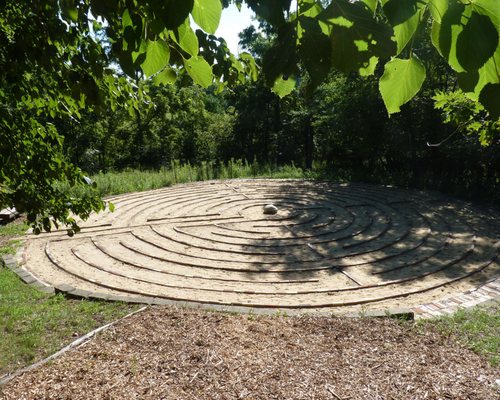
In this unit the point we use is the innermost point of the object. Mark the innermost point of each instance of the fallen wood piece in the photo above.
(9, 214)
(332, 392)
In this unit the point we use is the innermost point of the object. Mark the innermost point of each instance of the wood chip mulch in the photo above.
(169, 353)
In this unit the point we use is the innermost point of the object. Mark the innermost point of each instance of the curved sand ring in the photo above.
(329, 245)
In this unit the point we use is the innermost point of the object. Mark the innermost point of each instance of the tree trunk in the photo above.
(309, 142)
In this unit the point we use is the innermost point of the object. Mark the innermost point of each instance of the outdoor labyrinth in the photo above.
(329, 245)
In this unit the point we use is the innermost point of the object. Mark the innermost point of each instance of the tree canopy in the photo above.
(60, 58)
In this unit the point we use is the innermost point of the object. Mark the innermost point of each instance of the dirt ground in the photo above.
(170, 353)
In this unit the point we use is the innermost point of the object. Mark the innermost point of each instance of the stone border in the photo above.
(490, 291)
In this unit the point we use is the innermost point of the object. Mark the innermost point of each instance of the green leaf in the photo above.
(371, 4)
(156, 27)
(356, 17)
(490, 99)
(438, 9)
(129, 38)
(309, 8)
(281, 59)
(250, 66)
(440, 100)
(186, 38)
(141, 51)
(126, 19)
(283, 87)
(477, 42)
(357, 39)
(473, 82)
(157, 56)
(405, 17)
(69, 10)
(272, 11)
(370, 68)
(491, 8)
(165, 77)
(199, 70)
(449, 29)
(131, 30)
(435, 30)
(220, 87)
(206, 13)
(315, 50)
(400, 82)
(346, 56)
(172, 13)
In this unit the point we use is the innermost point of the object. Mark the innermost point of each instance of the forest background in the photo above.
(89, 87)
(342, 131)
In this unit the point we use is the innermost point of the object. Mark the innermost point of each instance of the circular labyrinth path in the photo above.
(329, 245)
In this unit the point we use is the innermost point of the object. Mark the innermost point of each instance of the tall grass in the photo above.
(126, 181)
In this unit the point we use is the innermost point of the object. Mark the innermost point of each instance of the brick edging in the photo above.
(487, 292)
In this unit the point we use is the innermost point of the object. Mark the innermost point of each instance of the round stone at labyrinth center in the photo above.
(270, 209)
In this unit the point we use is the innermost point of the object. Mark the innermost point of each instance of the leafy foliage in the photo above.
(355, 36)
(467, 116)
(43, 75)
(56, 61)
(63, 59)
(341, 34)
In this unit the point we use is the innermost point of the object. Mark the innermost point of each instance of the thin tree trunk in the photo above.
(309, 142)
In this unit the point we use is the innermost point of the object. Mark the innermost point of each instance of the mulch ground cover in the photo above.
(169, 353)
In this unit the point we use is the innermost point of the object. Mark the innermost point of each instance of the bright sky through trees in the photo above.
(233, 22)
